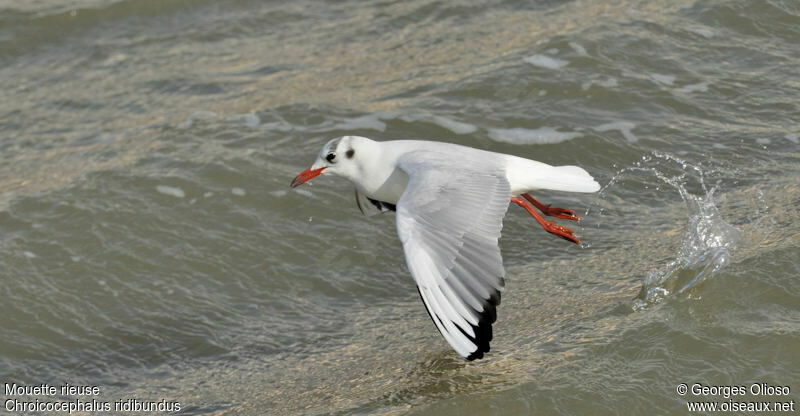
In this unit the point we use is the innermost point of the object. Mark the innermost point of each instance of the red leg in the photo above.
(563, 213)
(550, 227)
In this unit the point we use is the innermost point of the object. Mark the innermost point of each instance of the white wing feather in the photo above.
(449, 220)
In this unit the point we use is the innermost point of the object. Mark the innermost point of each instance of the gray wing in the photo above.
(449, 219)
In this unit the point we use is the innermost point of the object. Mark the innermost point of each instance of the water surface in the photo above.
(151, 245)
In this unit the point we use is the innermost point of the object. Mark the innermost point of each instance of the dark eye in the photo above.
(350, 153)
(330, 157)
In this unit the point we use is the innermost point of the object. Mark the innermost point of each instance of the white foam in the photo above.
(367, 122)
(547, 62)
(580, 50)
(663, 79)
(706, 33)
(279, 194)
(544, 135)
(238, 191)
(304, 192)
(553, 51)
(792, 138)
(115, 59)
(456, 127)
(623, 127)
(763, 140)
(250, 120)
(171, 191)
(611, 82)
(208, 194)
(29, 254)
(700, 87)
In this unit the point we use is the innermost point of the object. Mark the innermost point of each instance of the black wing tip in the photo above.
(383, 206)
(483, 336)
(483, 331)
(477, 355)
(379, 205)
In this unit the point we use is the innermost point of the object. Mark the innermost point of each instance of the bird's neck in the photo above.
(378, 176)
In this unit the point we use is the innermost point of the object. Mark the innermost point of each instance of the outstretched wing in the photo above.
(449, 219)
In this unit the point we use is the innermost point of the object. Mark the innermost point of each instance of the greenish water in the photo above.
(150, 245)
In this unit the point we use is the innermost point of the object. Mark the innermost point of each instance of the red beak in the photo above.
(305, 176)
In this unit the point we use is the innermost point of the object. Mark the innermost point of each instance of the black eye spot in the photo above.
(330, 157)
(350, 153)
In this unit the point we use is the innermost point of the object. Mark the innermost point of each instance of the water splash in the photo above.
(706, 248)
(707, 242)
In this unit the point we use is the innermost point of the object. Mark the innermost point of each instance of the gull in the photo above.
(450, 201)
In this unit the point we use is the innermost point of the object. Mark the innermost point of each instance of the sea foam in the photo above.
(623, 127)
(543, 135)
(171, 191)
(544, 61)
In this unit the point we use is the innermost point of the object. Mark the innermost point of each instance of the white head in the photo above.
(343, 156)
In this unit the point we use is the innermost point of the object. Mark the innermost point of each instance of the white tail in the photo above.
(568, 179)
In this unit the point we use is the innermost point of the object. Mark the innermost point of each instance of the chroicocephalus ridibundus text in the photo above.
(450, 202)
